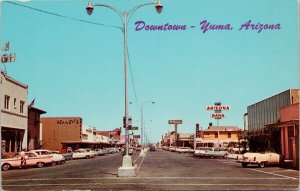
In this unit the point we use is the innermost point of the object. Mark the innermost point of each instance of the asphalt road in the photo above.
(159, 170)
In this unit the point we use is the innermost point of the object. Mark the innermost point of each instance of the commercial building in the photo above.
(207, 138)
(60, 133)
(184, 140)
(13, 98)
(267, 112)
(222, 135)
(34, 132)
(56, 130)
(289, 134)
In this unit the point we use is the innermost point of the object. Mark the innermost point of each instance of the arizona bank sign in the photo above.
(218, 107)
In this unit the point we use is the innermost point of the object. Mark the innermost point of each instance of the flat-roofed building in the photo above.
(13, 98)
(266, 112)
(56, 130)
(222, 135)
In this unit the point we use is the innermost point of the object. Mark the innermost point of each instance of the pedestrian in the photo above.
(23, 159)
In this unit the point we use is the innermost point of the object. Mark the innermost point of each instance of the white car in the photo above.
(260, 159)
(93, 153)
(83, 153)
(99, 152)
(183, 149)
(32, 159)
(56, 158)
(199, 151)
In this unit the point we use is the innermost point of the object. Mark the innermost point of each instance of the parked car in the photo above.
(214, 153)
(99, 152)
(260, 159)
(112, 150)
(152, 148)
(82, 153)
(130, 151)
(199, 151)
(172, 149)
(32, 159)
(93, 153)
(56, 157)
(69, 154)
(183, 149)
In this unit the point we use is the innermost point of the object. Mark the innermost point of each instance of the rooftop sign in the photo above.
(175, 121)
(217, 115)
(218, 107)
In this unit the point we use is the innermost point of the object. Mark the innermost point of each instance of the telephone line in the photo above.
(63, 16)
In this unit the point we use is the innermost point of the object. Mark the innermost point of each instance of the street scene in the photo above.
(155, 172)
(149, 95)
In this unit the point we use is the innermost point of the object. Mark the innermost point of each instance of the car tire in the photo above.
(87, 157)
(40, 164)
(262, 165)
(5, 167)
(244, 165)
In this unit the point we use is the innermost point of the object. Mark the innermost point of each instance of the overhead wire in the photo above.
(59, 15)
(84, 21)
(132, 80)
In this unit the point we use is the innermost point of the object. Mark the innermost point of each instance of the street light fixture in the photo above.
(127, 168)
(90, 8)
(158, 7)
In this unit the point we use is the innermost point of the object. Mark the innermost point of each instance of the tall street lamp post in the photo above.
(127, 168)
(142, 121)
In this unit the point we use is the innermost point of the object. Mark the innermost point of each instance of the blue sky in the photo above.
(76, 69)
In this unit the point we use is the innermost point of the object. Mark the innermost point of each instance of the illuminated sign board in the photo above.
(217, 115)
(218, 107)
(175, 121)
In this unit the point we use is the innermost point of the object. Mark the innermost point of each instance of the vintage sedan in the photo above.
(172, 149)
(56, 157)
(214, 153)
(92, 152)
(83, 153)
(183, 149)
(32, 159)
(260, 159)
(200, 151)
(99, 152)
(112, 150)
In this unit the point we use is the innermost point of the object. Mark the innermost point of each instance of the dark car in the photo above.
(152, 148)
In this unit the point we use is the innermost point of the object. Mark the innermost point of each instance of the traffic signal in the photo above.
(129, 122)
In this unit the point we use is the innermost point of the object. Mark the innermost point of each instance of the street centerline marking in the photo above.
(138, 169)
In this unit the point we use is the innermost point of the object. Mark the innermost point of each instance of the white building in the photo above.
(88, 134)
(13, 104)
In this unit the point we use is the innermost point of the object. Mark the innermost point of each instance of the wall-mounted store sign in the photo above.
(68, 121)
